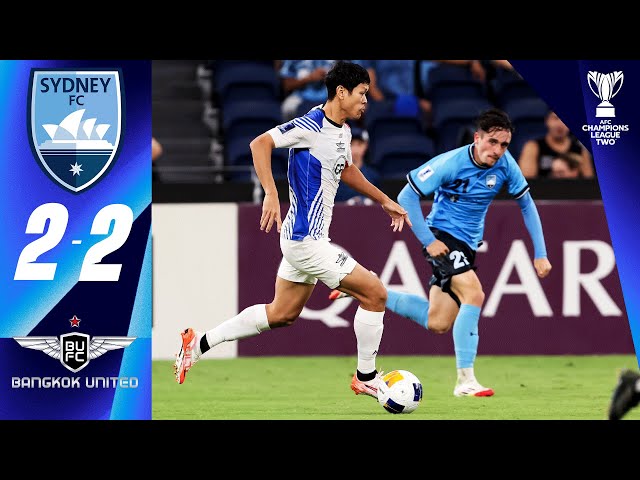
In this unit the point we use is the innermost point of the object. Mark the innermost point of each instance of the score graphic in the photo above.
(58, 216)
(77, 229)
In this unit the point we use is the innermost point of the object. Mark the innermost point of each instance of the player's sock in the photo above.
(248, 323)
(466, 375)
(365, 377)
(409, 306)
(368, 327)
(465, 335)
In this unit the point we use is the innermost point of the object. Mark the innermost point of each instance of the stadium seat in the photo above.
(508, 85)
(527, 115)
(241, 119)
(382, 120)
(526, 109)
(238, 154)
(305, 106)
(248, 92)
(448, 82)
(247, 79)
(221, 65)
(524, 131)
(452, 118)
(396, 155)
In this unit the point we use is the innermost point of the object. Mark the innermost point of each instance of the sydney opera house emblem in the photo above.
(75, 122)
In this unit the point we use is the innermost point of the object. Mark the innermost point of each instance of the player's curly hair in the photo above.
(494, 119)
(347, 74)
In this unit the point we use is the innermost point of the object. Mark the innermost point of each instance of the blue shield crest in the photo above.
(75, 124)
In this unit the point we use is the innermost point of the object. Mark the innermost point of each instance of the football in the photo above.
(400, 392)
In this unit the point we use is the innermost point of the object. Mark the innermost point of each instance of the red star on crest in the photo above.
(75, 322)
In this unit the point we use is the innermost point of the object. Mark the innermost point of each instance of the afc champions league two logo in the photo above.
(75, 124)
(605, 89)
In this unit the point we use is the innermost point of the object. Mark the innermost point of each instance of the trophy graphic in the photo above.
(604, 90)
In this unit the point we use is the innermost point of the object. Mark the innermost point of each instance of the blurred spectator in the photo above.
(538, 154)
(395, 81)
(359, 149)
(390, 78)
(566, 165)
(156, 152)
(156, 149)
(303, 81)
(482, 70)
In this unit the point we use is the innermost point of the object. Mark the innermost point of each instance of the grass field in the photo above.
(317, 388)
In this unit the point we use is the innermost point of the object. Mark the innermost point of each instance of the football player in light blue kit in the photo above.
(465, 181)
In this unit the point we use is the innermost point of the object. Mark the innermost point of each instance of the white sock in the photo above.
(466, 375)
(248, 323)
(368, 327)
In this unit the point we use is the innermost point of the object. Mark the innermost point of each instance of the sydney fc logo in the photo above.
(75, 124)
(74, 350)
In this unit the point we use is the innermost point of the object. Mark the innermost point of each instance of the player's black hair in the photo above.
(347, 74)
(494, 119)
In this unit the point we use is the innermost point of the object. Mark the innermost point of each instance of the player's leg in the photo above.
(443, 311)
(288, 301)
(408, 305)
(292, 290)
(321, 260)
(626, 395)
(467, 288)
(368, 326)
(436, 313)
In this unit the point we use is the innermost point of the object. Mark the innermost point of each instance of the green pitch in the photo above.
(317, 388)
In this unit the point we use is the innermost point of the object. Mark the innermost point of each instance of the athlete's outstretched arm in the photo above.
(354, 178)
(410, 200)
(261, 148)
(534, 226)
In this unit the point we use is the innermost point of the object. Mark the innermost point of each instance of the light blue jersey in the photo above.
(464, 190)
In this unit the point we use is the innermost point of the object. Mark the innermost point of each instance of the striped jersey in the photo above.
(319, 150)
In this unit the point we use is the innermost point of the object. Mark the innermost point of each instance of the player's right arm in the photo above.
(422, 182)
(300, 133)
(261, 148)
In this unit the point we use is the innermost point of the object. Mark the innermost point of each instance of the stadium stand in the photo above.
(205, 113)
(178, 125)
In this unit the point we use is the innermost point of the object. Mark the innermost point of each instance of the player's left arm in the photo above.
(354, 178)
(519, 189)
(534, 226)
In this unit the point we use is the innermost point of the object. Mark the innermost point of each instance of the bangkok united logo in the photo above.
(74, 350)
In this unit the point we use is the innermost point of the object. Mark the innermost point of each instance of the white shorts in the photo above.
(310, 260)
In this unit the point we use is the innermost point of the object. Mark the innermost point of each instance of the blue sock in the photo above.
(465, 335)
(409, 306)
